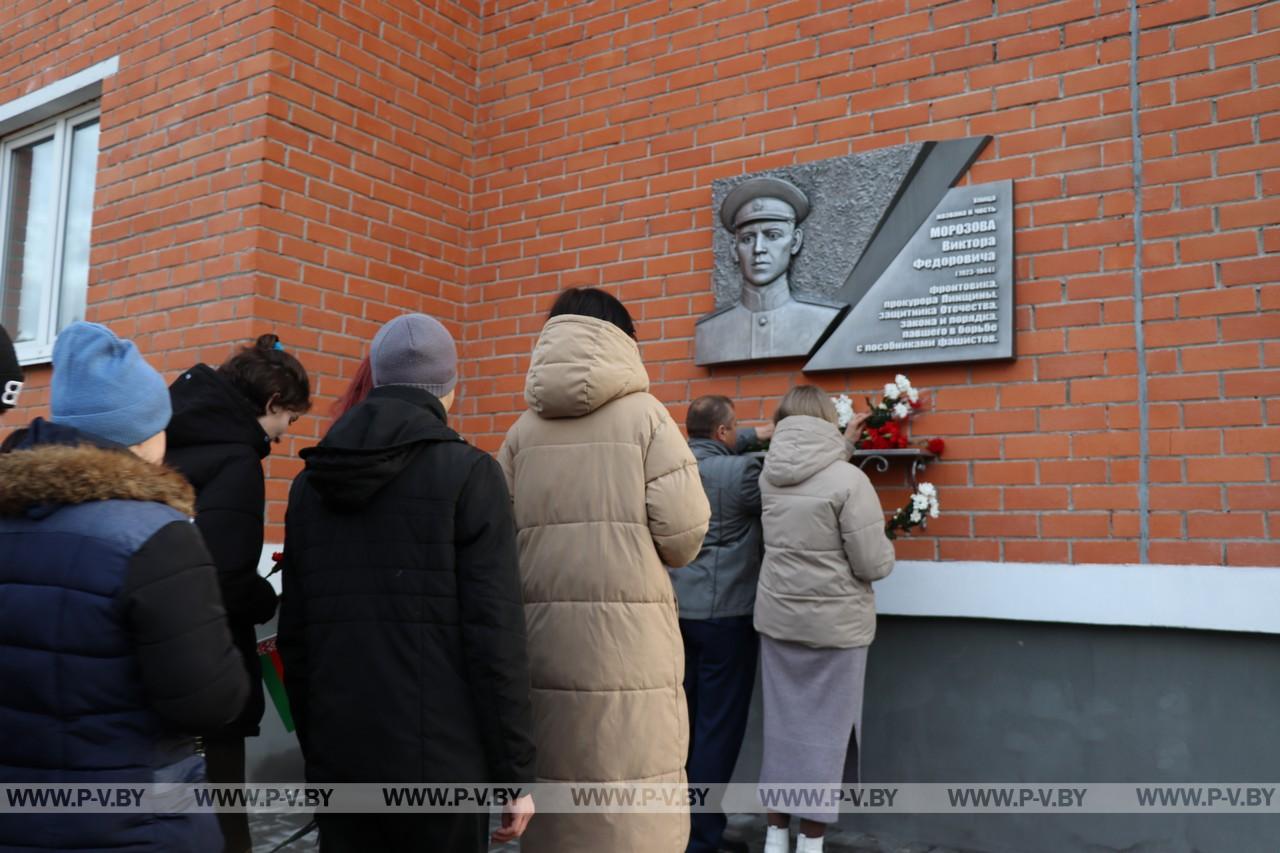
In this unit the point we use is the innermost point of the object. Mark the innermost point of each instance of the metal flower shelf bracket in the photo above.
(919, 458)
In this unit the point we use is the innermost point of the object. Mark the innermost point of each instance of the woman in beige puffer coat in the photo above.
(606, 492)
(815, 611)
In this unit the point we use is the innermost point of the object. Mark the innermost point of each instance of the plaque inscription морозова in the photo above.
(946, 297)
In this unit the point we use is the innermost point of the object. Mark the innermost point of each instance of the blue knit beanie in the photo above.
(103, 386)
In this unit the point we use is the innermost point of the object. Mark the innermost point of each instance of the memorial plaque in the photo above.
(806, 256)
(946, 297)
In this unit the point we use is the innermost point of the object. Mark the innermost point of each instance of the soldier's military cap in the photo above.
(763, 200)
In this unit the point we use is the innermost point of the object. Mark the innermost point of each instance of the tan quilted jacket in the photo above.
(824, 540)
(606, 492)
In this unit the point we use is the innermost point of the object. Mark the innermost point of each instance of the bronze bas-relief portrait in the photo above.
(768, 321)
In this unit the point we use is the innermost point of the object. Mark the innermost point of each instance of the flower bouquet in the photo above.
(885, 428)
(923, 501)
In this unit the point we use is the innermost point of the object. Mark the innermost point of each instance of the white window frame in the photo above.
(69, 101)
(60, 130)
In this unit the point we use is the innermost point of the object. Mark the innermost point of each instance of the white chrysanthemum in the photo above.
(891, 391)
(933, 509)
(913, 395)
(901, 411)
(919, 501)
(927, 489)
(916, 517)
(904, 384)
(844, 410)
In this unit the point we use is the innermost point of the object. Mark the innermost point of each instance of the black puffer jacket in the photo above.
(215, 440)
(401, 624)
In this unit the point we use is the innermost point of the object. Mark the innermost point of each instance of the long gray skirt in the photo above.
(812, 711)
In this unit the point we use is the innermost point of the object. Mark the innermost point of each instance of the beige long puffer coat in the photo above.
(824, 540)
(606, 491)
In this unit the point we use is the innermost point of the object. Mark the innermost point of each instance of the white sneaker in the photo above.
(777, 839)
(805, 844)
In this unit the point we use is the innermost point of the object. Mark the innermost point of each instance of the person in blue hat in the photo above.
(115, 646)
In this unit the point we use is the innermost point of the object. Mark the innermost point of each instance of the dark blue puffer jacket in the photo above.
(113, 641)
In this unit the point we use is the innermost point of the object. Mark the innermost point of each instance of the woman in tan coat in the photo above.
(816, 614)
(606, 493)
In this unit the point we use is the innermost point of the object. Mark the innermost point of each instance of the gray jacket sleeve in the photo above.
(750, 485)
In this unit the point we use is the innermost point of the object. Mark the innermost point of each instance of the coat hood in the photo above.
(207, 409)
(579, 364)
(54, 466)
(801, 447)
(371, 444)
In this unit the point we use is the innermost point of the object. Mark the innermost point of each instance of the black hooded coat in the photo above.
(401, 624)
(215, 440)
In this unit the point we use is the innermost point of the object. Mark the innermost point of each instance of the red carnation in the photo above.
(936, 446)
(277, 556)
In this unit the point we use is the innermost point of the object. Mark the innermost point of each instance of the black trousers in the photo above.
(719, 675)
(413, 833)
(224, 764)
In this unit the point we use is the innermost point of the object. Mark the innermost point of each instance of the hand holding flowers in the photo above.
(884, 425)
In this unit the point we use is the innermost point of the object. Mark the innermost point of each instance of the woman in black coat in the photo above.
(224, 422)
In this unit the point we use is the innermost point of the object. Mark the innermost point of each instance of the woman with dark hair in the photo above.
(359, 388)
(224, 423)
(605, 652)
(590, 302)
(815, 610)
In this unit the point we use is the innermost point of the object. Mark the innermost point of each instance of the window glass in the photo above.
(79, 218)
(29, 235)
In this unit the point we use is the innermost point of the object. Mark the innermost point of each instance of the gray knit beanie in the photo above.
(415, 350)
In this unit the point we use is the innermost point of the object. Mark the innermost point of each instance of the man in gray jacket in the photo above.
(717, 594)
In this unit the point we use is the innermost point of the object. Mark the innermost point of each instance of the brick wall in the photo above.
(335, 163)
(602, 125)
(366, 176)
(171, 263)
(266, 166)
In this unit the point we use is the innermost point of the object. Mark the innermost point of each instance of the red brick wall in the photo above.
(1211, 124)
(172, 262)
(602, 126)
(316, 168)
(267, 166)
(367, 184)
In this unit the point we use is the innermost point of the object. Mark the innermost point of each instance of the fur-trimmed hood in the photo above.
(58, 475)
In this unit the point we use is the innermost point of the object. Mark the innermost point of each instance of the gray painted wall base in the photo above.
(953, 700)
(981, 700)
